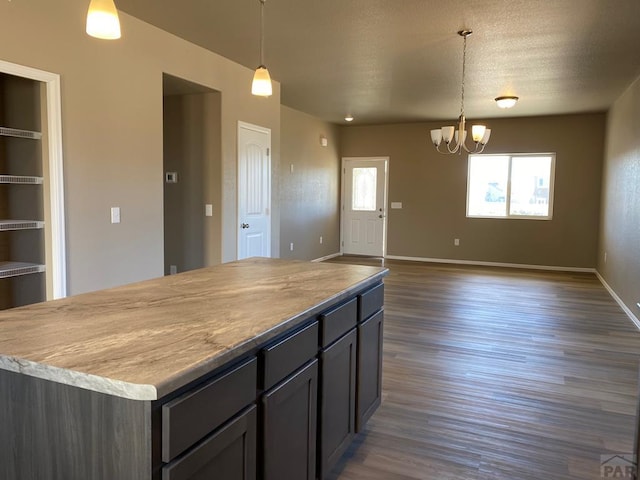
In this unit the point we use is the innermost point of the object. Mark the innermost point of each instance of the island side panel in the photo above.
(52, 431)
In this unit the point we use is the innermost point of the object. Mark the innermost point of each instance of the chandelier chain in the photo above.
(464, 65)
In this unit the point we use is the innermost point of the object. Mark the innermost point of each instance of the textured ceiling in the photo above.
(401, 60)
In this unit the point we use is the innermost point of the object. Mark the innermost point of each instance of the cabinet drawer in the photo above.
(228, 453)
(289, 354)
(338, 321)
(190, 417)
(370, 302)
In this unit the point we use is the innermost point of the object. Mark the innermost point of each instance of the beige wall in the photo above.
(432, 189)
(112, 132)
(192, 150)
(310, 195)
(620, 224)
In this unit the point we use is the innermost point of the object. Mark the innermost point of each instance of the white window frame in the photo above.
(508, 216)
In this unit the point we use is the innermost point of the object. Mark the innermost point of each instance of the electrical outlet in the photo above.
(456, 242)
(605, 257)
(320, 239)
(291, 246)
(173, 269)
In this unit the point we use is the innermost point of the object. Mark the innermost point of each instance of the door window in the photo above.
(364, 189)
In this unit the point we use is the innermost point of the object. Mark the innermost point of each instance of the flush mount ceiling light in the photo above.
(454, 140)
(261, 85)
(102, 20)
(506, 101)
(349, 118)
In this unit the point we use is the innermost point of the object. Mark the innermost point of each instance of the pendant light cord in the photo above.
(262, 33)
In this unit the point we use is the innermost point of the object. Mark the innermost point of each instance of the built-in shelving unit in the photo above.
(22, 237)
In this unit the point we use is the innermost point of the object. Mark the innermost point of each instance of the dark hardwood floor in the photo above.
(498, 374)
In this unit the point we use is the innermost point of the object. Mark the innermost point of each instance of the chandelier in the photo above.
(455, 140)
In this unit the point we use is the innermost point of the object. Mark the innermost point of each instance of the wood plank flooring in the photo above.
(498, 374)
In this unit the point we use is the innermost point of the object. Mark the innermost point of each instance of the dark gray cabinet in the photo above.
(369, 389)
(337, 400)
(191, 416)
(289, 427)
(289, 405)
(229, 453)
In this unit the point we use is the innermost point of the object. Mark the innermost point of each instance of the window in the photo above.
(511, 186)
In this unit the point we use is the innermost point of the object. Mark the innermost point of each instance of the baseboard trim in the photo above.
(327, 257)
(615, 296)
(492, 264)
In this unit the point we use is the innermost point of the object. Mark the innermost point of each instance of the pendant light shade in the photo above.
(102, 20)
(261, 85)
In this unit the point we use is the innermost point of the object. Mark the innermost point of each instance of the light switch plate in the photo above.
(208, 210)
(396, 205)
(115, 214)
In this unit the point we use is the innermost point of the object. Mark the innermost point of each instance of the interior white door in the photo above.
(254, 192)
(364, 211)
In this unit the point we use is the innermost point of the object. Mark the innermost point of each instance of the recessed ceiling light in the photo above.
(349, 118)
(507, 101)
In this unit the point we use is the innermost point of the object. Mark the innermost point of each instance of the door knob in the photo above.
(244, 225)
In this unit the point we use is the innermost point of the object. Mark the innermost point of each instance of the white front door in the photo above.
(254, 192)
(364, 206)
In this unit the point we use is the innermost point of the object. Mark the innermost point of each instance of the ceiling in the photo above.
(401, 60)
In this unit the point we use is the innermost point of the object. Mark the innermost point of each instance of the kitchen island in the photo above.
(260, 367)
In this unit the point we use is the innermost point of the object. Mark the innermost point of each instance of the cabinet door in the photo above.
(289, 427)
(369, 391)
(229, 453)
(337, 400)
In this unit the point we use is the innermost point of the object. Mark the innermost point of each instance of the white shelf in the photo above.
(14, 269)
(21, 179)
(20, 225)
(16, 132)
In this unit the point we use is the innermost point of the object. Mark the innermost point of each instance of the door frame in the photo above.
(385, 199)
(267, 131)
(58, 270)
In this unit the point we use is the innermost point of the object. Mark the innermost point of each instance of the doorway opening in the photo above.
(192, 163)
(363, 229)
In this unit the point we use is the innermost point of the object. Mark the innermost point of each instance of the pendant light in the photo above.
(102, 20)
(454, 140)
(261, 85)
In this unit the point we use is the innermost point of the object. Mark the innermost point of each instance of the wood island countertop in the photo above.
(145, 340)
